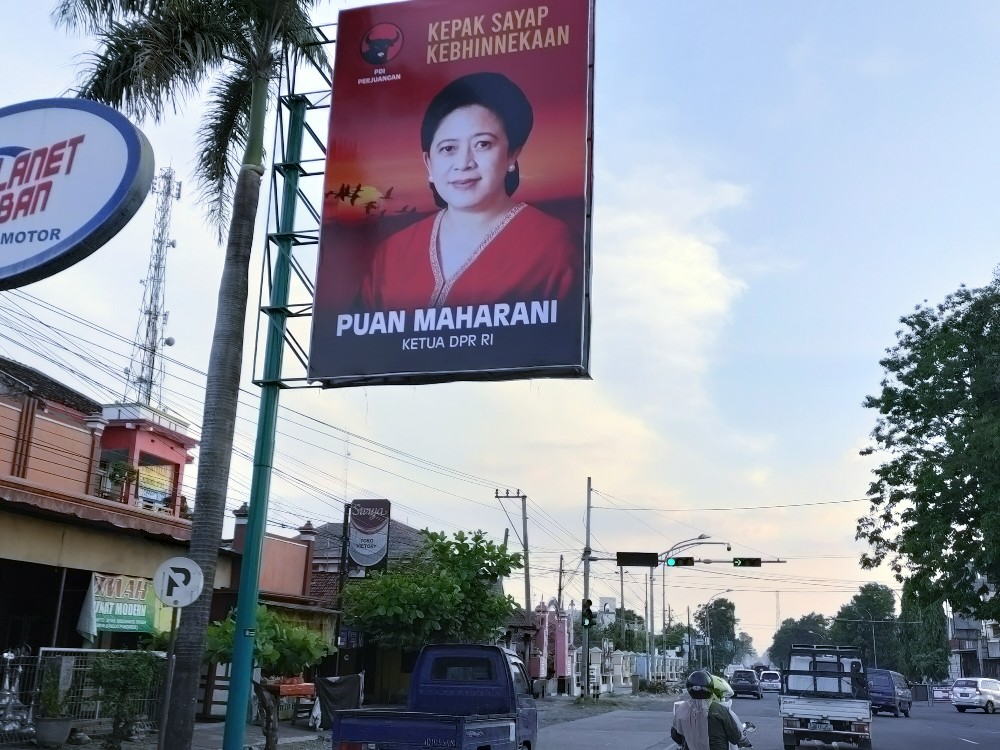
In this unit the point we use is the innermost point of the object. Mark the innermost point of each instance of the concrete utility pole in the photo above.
(585, 662)
(518, 495)
(621, 586)
(559, 591)
(646, 605)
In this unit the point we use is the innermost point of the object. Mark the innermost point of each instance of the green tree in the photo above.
(718, 621)
(673, 635)
(281, 648)
(635, 632)
(744, 648)
(868, 622)
(934, 510)
(151, 56)
(923, 637)
(449, 592)
(811, 629)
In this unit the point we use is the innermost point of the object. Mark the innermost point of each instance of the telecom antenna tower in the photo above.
(144, 375)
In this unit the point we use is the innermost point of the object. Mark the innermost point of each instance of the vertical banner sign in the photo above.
(455, 239)
(368, 533)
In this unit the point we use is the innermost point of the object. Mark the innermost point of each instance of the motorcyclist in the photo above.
(701, 723)
(722, 692)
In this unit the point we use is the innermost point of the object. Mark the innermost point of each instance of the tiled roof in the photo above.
(20, 379)
(520, 619)
(324, 587)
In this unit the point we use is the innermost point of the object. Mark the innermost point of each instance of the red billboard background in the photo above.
(377, 184)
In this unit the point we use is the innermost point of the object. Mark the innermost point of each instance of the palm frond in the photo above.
(93, 15)
(222, 136)
(145, 66)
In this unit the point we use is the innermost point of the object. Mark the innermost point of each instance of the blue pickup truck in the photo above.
(462, 697)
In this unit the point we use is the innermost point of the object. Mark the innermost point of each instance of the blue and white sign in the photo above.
(72, 174)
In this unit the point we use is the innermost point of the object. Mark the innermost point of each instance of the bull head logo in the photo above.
(377, 49)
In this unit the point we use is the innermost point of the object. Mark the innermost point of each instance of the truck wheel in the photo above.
(895, 710)
(906, 711)
(961, 709)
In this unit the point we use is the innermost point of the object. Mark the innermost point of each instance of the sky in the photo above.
(775, 184)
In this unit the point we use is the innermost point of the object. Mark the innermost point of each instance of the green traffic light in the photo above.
(671, 562)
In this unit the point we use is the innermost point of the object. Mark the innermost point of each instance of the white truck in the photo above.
(824, 696)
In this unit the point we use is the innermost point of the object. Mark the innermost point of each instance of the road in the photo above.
(937, 727)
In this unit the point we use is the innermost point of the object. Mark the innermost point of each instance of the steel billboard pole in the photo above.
(260, 483)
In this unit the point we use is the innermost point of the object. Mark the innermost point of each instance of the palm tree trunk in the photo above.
(215, 453)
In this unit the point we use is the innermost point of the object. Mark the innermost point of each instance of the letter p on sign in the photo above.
(178, 582)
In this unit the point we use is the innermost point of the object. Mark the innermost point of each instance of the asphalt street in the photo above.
(928, 728)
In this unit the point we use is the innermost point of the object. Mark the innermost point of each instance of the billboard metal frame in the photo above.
(295, 313)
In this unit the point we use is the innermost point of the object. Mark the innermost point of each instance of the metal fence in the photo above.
(21, 683)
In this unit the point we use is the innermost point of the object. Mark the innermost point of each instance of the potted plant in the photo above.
(53, 719)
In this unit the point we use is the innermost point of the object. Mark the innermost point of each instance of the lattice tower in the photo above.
(144, 375)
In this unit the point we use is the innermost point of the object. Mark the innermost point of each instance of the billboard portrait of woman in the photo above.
(455, 234)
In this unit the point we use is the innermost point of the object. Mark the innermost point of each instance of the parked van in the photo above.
(889, 692)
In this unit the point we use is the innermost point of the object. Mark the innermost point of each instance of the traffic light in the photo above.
(679, 562)
(746, 562)
(588, 619)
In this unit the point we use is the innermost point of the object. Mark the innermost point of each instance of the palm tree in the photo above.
(152, 55)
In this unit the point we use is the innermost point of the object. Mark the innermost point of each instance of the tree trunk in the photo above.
(267, 710)
(214, 455)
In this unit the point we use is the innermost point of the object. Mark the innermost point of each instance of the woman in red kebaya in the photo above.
(483, 247)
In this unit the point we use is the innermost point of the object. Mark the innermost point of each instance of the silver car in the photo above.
(770, 680)
(976, 692)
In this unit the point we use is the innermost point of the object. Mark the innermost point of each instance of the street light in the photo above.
(681, 545)
(708, 625)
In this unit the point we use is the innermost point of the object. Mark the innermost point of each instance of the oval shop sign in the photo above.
(72, 174)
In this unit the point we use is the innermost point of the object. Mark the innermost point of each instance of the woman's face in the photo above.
(469, 159)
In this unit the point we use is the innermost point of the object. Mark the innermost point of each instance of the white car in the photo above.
(976, 692)
(770, 680)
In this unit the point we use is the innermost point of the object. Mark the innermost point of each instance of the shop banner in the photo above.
(455, 238)
(118, 603)
(368, 534)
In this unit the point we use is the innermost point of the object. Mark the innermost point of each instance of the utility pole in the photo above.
(518, 495)
(663, 604)
(585, 662)
(621, 584)
(652, 607)
(559, 590)
(690, 641)
(645, 606)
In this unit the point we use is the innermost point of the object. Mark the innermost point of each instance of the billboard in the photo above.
(368, 533)
(72, 174)
(455, 237)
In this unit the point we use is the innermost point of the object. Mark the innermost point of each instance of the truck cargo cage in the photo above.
(825, 671)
